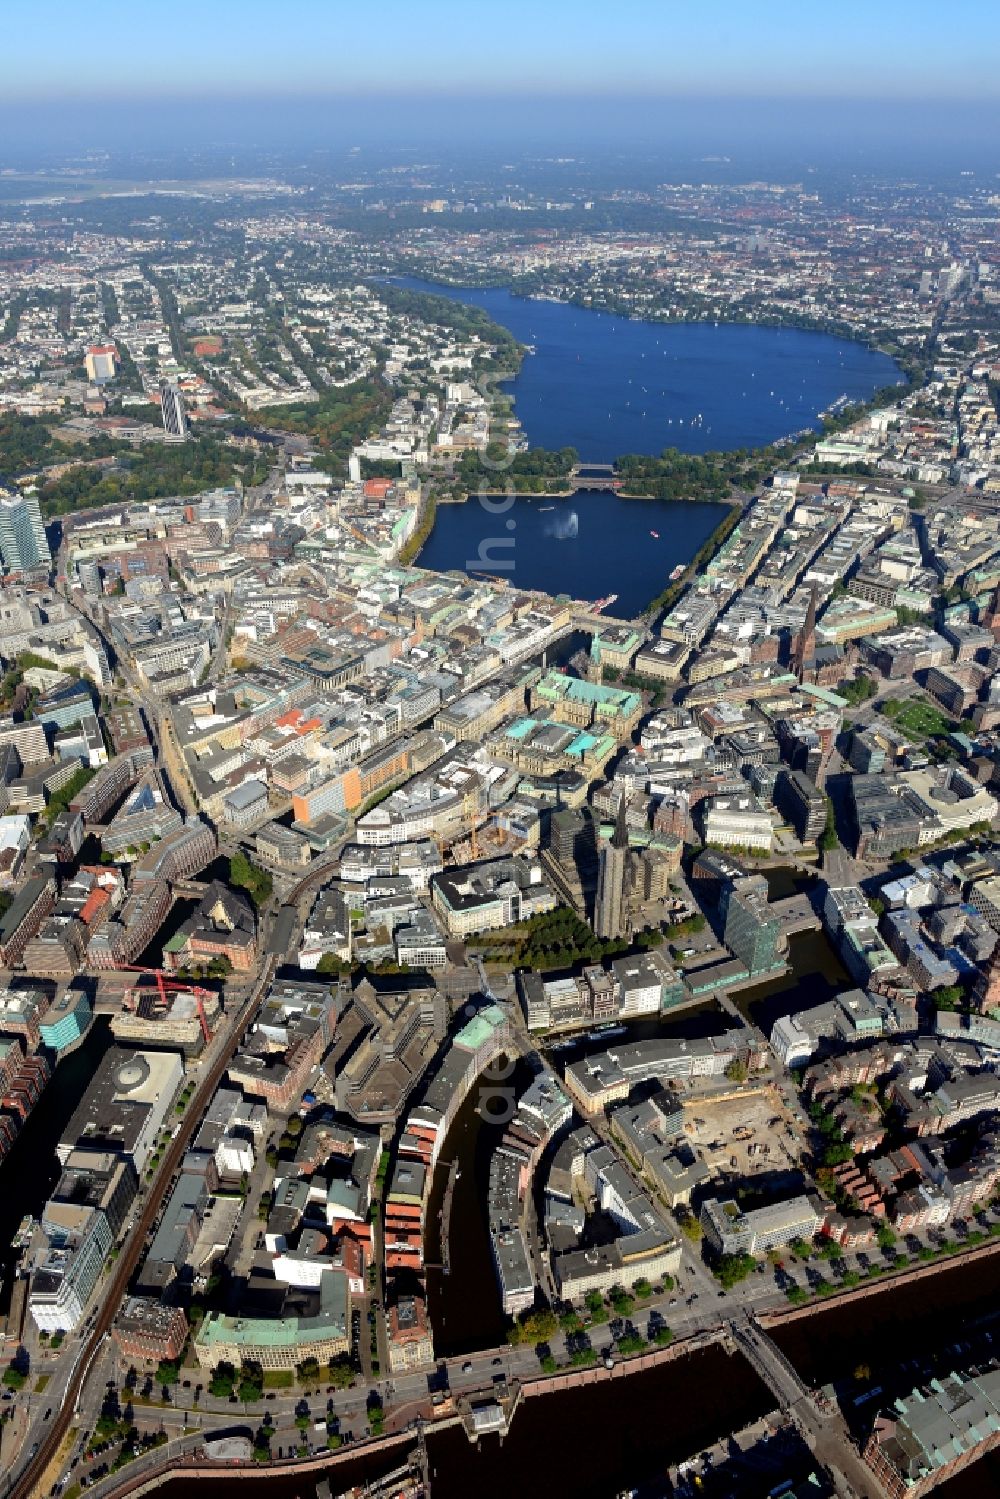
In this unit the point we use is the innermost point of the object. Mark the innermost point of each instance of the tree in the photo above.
(167, 1372)
(858, 691)
(223, 1380)
(251, 1383)
(732, 1268)
(631, 1343)
(376, 1415)
(828, 839)
(331, 966)
(342, 1374)
(247, 876)
(537, 1326)
(736, 1072)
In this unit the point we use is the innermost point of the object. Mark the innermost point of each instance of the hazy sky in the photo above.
(118, 49)
(901, 85)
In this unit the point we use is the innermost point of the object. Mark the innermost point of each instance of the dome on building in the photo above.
(133, 1073)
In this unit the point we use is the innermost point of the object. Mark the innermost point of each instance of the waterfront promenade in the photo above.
(410, 1413)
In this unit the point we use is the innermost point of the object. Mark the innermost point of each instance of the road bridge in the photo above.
(595, 476)
(590, 621)
(796, 914)
(823, 1430)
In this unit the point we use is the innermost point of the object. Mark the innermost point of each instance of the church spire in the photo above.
(619, 838)
(805, 644)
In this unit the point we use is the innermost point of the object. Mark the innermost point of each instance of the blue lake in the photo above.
(588, 545)
(606, 385)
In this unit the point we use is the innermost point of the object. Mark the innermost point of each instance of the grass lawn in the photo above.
(920, 719)
(279, 1379)
(41, 1383)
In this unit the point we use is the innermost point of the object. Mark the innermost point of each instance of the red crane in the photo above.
(165, 984)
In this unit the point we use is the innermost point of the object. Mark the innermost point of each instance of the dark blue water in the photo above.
(31, 1170)
(588, 545)
(606, 385)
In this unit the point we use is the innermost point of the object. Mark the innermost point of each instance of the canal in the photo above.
(920, 1324)
(815, 974)
(31, 1170)
(592, 1443)
(600, 1440)
(464, 1304)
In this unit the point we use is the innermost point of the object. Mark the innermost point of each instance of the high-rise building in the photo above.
(750, 931)
(174, 416)
(570, 857)
(23, 544)
(805, 806)
(609, 908)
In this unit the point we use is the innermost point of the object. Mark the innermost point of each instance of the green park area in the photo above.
(917, 717)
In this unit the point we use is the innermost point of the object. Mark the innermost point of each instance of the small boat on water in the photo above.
(542, 508)
(676, 571)
(655, 535)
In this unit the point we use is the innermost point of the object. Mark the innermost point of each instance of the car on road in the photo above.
(467, 1367)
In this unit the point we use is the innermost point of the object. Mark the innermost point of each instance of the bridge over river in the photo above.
(822, 1428)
